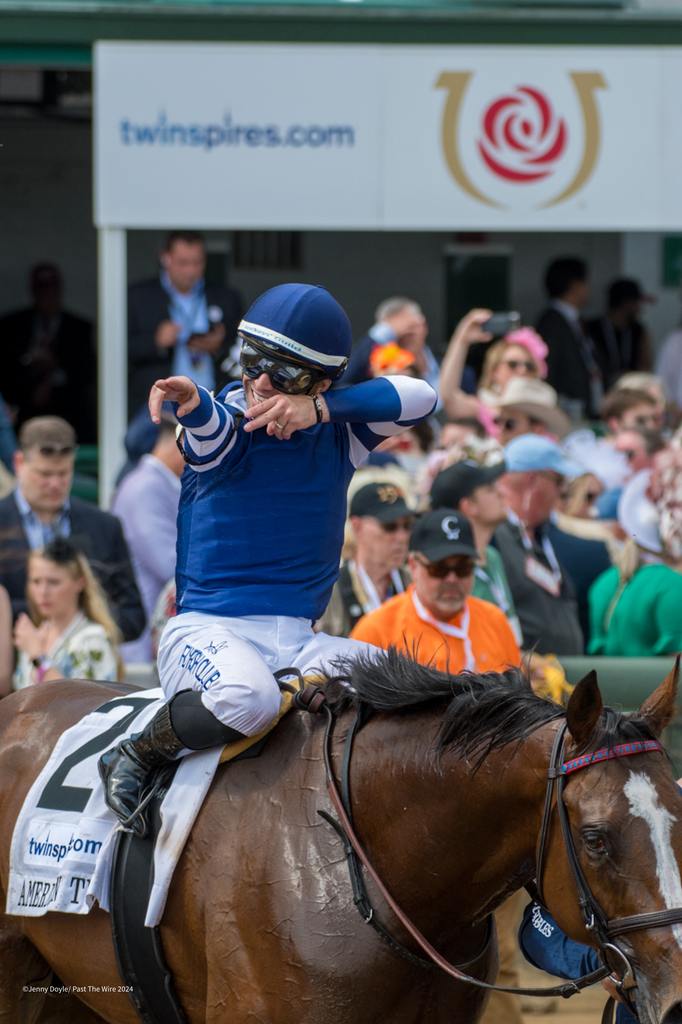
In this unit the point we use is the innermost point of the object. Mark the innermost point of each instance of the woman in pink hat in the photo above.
(520, 353)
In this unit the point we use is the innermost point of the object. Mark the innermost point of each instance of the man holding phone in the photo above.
(177, 323)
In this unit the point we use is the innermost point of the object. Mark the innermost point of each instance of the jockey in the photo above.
(260, 527)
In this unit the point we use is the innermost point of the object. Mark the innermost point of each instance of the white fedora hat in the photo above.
(536, 399)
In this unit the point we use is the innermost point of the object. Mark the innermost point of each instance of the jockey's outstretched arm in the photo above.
(372, 411)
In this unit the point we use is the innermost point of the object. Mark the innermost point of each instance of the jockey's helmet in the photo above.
(302, 322)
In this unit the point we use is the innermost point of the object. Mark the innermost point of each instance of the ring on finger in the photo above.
(281, 426)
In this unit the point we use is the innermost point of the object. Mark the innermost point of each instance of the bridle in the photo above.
(311, 698)
(595, 920)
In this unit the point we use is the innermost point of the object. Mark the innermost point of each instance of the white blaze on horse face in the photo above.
(643, 799)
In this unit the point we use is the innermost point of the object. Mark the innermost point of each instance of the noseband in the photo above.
(595, 920)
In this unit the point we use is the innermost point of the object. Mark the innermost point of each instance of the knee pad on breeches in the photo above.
(196, 726)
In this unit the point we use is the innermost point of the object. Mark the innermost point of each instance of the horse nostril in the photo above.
(674, 1015)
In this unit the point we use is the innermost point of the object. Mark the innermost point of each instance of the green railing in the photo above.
(625, 683)
(85, 473)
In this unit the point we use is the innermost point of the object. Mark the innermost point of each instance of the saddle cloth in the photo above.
(63, 840)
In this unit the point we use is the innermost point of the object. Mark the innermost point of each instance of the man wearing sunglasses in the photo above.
(529, 406)
(436, 620)
(260, 526)
(381, 523)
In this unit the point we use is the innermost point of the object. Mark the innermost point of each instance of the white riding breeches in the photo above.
(231, 661)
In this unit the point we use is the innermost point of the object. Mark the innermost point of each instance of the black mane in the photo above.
(481, 712)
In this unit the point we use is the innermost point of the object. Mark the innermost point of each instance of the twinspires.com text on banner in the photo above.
(515, 138)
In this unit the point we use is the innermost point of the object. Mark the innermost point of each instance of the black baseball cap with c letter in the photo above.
(442, 534)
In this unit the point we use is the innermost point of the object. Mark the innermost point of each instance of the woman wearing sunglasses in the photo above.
(521, 353)
(260, 526)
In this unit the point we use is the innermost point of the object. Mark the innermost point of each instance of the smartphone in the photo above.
(500, 324)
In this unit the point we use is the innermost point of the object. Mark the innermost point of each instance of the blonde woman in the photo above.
(520, 353)
(70, 633)
(635, 605)
(580, 495)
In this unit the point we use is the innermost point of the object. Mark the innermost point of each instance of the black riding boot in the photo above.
(182, 724)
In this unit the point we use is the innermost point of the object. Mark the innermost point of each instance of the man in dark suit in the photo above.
(40, 508)
(49, 359)
(621, 340)
(573, 370)
(178, 324)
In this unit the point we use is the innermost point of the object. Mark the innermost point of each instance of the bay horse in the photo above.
(448, 782)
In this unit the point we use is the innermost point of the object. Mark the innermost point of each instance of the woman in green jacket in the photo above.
(636, 605)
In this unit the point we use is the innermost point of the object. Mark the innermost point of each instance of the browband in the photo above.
(608, 754)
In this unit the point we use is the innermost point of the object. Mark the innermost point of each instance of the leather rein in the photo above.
(356, 856)
(312, 699)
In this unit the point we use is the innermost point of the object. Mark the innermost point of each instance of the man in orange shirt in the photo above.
(436, 621)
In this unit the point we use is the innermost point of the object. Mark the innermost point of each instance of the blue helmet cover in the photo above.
(303, 322)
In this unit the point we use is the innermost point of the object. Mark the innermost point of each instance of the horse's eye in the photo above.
(595, 843)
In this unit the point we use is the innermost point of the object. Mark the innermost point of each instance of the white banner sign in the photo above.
(438, 138)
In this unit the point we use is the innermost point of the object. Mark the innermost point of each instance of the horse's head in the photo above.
(624, 817)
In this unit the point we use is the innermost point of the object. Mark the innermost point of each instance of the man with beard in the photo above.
(437, 621)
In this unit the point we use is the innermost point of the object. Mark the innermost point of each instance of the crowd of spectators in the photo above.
(536, 516)
(538, 511)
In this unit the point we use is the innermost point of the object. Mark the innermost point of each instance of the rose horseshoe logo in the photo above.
(522, 139)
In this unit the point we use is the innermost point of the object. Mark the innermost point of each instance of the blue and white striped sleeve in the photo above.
(209, 432)
(377, 409)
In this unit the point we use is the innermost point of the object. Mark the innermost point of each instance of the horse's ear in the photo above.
(584, 708)
(658, 709)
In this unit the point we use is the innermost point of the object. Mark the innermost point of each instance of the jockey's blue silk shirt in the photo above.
(260, 523)
(544, 944)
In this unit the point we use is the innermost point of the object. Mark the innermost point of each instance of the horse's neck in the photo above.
(447, 840)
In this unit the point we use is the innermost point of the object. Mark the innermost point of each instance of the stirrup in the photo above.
(138, 822)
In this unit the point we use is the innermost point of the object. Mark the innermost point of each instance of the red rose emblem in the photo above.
(522, 136)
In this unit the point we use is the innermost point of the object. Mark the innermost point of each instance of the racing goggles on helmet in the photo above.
(290, 377)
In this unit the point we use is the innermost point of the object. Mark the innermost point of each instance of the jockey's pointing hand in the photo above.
(173, 389)
(282, 415)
